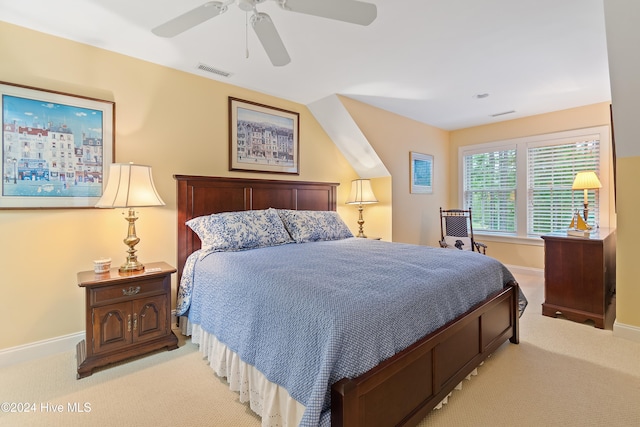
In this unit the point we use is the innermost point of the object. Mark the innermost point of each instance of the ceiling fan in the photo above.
(352, 11)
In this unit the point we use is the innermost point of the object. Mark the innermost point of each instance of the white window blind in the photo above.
(551, 171)
(490, 190)
(521, 187)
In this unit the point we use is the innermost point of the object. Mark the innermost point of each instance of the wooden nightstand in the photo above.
(126, 315)
(579, 275)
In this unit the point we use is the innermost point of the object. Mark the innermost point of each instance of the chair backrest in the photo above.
(456, 223)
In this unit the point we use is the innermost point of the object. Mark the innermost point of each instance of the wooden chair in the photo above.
(456, 231)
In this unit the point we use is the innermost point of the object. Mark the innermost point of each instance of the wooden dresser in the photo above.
(579, 275)
(126, 315)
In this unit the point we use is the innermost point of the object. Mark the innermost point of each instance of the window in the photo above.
(551, 170)
(522, 187)
(490, 189)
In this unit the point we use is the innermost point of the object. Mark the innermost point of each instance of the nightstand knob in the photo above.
(131, 291)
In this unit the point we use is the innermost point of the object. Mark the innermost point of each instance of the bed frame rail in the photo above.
(403, 389)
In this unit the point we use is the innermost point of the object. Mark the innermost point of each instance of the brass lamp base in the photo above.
(585, 215)
(132, 264)
(360, 223)
(131, 267)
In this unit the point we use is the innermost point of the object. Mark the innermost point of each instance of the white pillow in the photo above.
(452, 242)
(313, 226)
(235, 231)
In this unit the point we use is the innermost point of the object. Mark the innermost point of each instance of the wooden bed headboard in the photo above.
(205, 195)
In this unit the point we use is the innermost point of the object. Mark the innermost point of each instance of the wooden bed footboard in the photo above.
(403, 389)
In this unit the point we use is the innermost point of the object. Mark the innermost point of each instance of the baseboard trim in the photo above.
(530, 271)
(22, 353)
(628, 332)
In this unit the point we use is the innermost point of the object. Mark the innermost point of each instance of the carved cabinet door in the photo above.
(112, 325)
(150, 319)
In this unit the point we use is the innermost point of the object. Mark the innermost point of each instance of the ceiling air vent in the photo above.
(210, 69)
(503, 113)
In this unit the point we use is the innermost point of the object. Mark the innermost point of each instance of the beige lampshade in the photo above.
(586, 180)
(361, 193)
(129, 185)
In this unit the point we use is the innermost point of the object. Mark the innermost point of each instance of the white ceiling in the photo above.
(423, 59)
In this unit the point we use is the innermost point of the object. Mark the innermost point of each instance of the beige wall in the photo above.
(623, 37)
(177, 123)
(415, 216)
(173, 121)
(628, 236)
(523, 255)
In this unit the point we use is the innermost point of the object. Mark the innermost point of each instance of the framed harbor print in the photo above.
(263, 138)
(421, 170)
(56, 148)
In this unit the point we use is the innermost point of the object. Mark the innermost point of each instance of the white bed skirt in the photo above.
(270, 401)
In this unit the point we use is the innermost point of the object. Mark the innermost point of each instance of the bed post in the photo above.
(515, 316)
(344, 404)
(183, 249)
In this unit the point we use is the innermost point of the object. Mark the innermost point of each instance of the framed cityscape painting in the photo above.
(421, 166)
(56, 148)
(263, 138)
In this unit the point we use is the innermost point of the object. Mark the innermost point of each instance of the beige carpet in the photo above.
(562, 374)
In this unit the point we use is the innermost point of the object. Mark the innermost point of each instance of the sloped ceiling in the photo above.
(345, 133)
(450, 64)
(423, 59)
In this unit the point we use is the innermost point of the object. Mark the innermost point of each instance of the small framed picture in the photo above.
(263, 138)
(421, 167)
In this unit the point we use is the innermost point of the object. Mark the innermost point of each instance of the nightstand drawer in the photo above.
(127, 290)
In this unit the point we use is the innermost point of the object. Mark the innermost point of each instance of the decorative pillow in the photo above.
(236, 231)
(312, 226)
(462, 243)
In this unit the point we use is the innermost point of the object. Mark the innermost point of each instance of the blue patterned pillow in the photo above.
(236, 231)
(312, 226)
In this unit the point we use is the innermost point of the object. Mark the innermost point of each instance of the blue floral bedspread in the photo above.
(325, 302)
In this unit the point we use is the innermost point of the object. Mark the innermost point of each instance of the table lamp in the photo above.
(130, 186)
(361, 194)
(586, 180)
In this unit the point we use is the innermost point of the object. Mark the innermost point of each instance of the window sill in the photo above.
(505, 238)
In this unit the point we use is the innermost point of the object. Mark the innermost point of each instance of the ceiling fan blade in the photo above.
(270, 39)
(190, 19)
(353, 11)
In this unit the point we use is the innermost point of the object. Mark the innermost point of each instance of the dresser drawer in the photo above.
(128, 290)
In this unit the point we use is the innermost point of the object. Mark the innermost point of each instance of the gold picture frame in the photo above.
(263, 138)
(56, 148)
